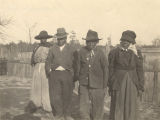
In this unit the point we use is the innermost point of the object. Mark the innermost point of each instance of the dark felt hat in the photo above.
(43, 35)
(91, 36)
(61, 33)
(129, 36)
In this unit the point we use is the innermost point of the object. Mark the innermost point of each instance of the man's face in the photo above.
(61, 41)
(91, 44)
(43, 40)
(125, 44)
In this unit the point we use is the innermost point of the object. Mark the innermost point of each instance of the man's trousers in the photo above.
(91, 103)
(60, 88)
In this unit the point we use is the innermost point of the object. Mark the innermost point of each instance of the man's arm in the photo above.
(48, 63)
(111, 60)
(76, 65)
(104, 64)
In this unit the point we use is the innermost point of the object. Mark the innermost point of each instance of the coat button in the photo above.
(89, 65)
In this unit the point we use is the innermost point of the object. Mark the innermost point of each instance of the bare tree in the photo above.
(29, 28)
(4, 22)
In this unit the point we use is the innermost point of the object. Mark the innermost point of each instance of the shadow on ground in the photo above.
(14, 96)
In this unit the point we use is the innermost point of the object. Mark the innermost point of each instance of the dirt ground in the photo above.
(14, 96)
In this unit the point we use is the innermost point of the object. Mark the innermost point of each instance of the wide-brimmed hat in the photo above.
(129, 36)
(43, 35)
(61, 33)
(91, 36)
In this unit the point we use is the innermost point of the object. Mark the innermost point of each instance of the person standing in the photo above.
(91, 72)
(59, 70)
(126, 78)
(40, 88)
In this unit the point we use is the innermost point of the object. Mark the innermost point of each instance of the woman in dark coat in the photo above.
(126, 78)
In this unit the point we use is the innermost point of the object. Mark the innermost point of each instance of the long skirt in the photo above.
(40, 88)
(124, 101)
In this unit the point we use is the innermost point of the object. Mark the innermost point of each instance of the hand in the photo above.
(133, 48)
(76, 87)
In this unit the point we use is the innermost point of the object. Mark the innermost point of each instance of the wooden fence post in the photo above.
(155, 82)
(155, 88)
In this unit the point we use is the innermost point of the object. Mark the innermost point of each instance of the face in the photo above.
(125, 44)
(62, 41)
(91, 44)
(43, 40)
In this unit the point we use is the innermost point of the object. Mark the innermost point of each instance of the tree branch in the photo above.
(4, 22)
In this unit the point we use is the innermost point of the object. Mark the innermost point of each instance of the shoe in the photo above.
(68, 118)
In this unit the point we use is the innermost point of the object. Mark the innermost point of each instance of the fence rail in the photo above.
(152, 79)
(23, 69)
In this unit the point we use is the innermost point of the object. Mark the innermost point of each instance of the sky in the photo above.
(107, 17)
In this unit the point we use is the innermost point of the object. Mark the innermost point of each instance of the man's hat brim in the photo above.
(59, 36)
(96, 39)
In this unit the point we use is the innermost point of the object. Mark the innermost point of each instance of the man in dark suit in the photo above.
(59, 71)
(91, 72)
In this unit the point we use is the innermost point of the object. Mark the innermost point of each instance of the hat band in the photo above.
(60, 34)
(92, 37)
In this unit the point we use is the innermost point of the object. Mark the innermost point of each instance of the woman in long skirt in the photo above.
(126, 78)
(40, 88)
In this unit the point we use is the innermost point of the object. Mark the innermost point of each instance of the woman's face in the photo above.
(91, 44)
(125, 44)
(43, 40)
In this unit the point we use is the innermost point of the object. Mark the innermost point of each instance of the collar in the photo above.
(121, 48)
(62, 47)
(91, 52)
(124, 49)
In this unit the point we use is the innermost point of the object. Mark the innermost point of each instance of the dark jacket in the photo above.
(58, 58)
(91, 71)
(122, 62)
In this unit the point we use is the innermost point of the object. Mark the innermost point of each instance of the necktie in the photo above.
(92, 53)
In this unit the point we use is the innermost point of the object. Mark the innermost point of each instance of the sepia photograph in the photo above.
(79, 60)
